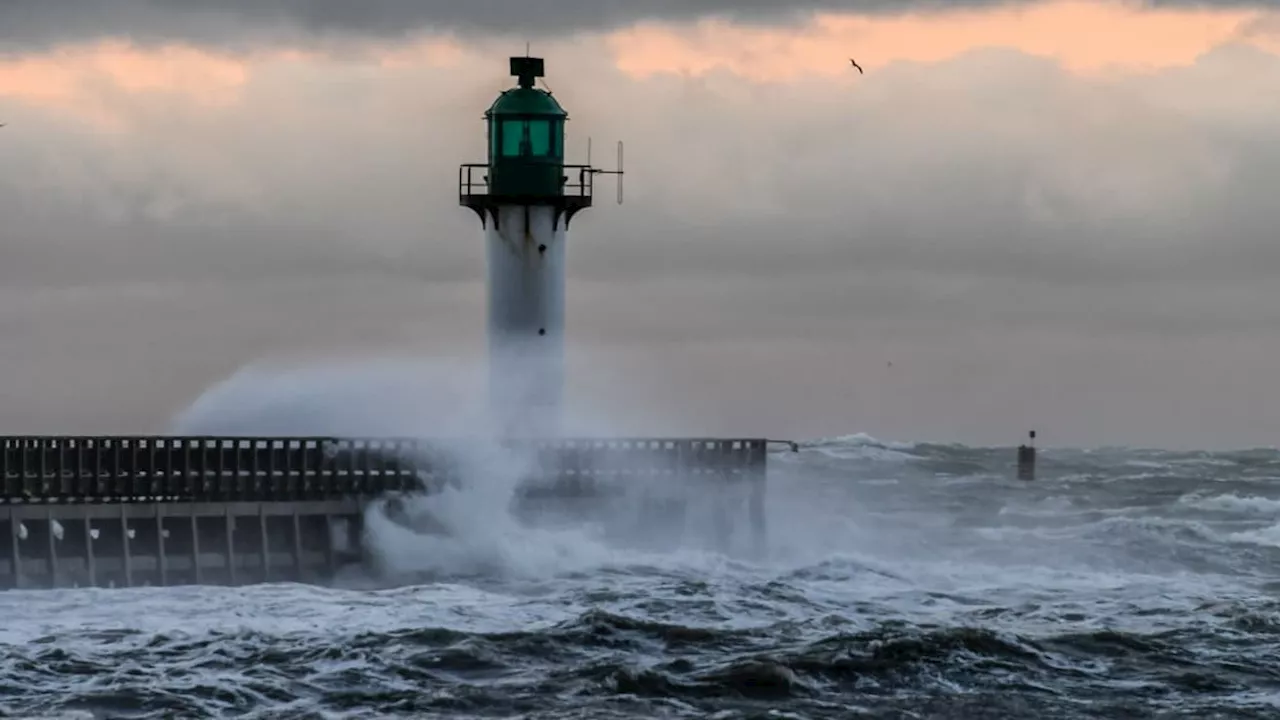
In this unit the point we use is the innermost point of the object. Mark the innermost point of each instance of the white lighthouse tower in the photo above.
(526, 196)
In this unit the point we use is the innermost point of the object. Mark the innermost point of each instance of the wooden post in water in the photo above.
(1027, 458)
(758, 471)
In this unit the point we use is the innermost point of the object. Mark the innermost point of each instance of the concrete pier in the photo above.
(131, 511)
(125, 545)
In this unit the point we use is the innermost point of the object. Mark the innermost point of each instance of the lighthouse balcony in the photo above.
(570, 187)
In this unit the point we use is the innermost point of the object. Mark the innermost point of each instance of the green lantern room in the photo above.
(526, 151)
(526, 137)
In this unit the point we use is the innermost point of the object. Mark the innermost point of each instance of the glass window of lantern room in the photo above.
(557, 138)
(514, 137)
(540, 138)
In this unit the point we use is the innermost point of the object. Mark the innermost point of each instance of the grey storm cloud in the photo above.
(25, 24)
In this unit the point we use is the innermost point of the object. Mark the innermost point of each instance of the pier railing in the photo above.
(54, 469)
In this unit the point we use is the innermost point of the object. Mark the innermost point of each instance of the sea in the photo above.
(900, 580)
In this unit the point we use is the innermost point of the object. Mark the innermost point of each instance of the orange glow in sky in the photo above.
(1085, 37)
(61, 76)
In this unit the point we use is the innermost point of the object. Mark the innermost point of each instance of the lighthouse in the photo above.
(526, 197)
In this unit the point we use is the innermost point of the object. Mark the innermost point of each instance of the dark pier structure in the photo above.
(135, 511)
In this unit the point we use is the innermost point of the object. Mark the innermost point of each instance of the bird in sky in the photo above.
(856, 65)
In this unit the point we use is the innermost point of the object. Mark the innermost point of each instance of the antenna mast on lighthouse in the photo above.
(526, 197)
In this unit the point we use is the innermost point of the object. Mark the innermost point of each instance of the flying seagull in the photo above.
(851, 62)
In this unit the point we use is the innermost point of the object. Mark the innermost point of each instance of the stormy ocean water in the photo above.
(902, 580)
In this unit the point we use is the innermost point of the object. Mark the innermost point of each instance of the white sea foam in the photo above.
(1267, 537)
(1233, 503)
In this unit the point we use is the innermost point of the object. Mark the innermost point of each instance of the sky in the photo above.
(1049, 215)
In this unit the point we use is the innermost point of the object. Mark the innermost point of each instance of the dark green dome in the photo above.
(526, 101)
